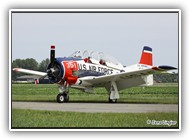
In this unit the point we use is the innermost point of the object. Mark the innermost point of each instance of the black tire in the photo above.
(66, 97)
(60, 98)
(112, 100)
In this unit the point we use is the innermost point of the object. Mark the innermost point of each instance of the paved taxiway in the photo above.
(97, 107)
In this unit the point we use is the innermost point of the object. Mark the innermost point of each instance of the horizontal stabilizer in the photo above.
(167, 67)
(164, 68)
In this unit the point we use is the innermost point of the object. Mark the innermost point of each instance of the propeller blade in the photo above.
(52, 54)
(43, 76)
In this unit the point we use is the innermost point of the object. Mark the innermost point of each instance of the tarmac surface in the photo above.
(97, 107)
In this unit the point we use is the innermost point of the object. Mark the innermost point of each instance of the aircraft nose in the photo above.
(55, 72)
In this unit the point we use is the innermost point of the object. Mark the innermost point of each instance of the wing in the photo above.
(127, 75)
(38, 73)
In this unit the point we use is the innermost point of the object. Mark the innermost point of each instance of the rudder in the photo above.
(146, 57)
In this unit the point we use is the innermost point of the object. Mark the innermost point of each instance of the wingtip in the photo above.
(15, 69)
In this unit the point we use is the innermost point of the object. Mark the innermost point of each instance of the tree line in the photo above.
(166, 78)
(30, 64)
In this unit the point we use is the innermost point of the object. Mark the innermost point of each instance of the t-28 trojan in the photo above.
(88, 69)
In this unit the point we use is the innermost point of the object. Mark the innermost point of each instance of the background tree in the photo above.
(43, 65)
(28, 63)
(15, 64)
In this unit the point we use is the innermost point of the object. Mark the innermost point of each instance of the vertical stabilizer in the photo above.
(146, 57)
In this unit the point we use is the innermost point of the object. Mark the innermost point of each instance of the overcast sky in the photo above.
(121, 35)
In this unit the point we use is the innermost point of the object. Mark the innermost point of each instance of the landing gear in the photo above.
(114, 94)
(62, 97)
(112, 100)
(66, 97)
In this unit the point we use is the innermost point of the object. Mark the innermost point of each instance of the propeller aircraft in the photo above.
(88, 69)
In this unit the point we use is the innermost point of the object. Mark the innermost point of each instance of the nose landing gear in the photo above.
(63, 95)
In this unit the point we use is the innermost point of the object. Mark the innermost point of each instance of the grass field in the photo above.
(56, 119)
(160, 93)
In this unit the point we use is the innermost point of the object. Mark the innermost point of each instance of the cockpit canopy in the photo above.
(97, 58)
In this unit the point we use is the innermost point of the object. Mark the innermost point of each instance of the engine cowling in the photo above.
(71, 71)
(61, 71)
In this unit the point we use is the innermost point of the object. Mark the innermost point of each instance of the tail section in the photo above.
(146, 57)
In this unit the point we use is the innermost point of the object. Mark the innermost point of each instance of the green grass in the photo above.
(55, 119)
(161, 93)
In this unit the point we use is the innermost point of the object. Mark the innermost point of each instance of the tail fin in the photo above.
(146, 57)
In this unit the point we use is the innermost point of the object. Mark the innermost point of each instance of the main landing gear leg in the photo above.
(114, 94)
(63, 95)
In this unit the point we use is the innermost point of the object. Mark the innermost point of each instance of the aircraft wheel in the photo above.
(112, 100)
(60, 98)
(66, 97)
